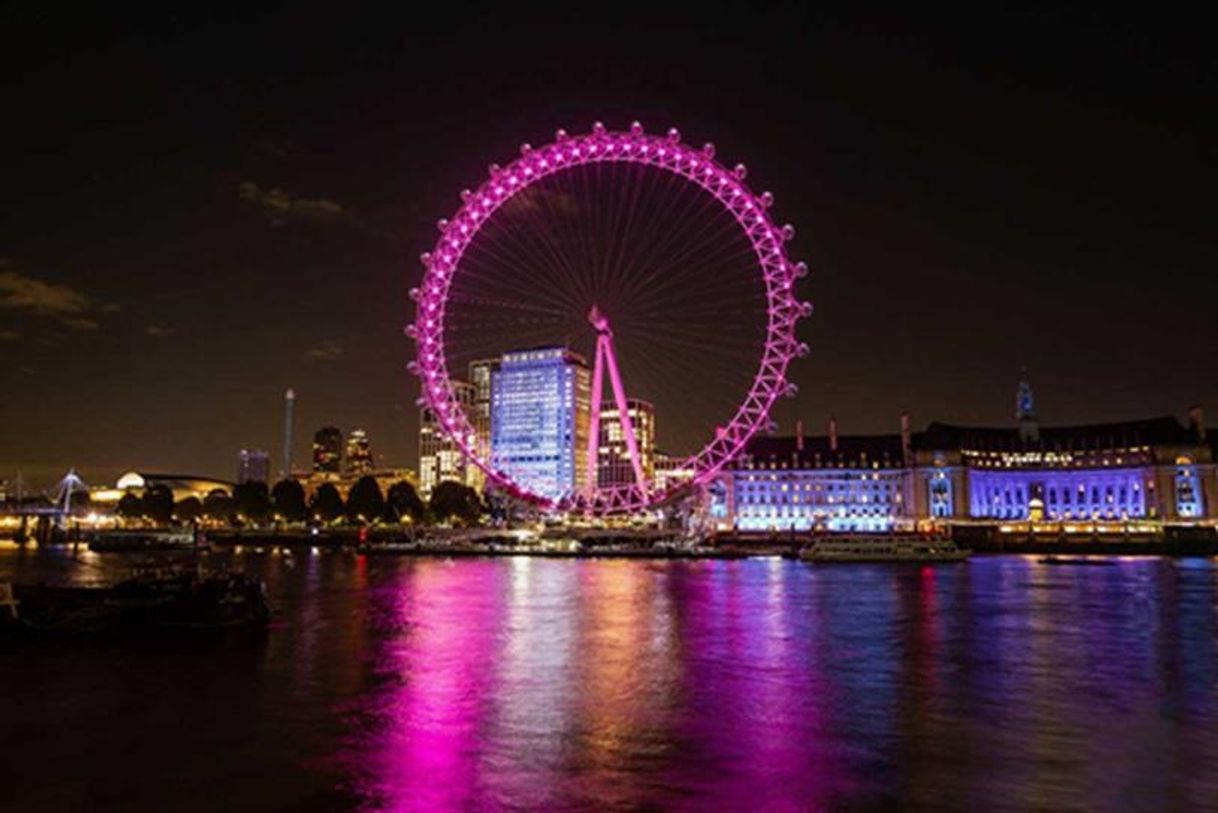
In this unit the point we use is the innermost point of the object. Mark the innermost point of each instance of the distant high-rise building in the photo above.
(614, 467)
(328, 450)
(480, 414)
(671, 471)
(253, 465)
(539, 419)
(289, 408)
(359, 453)
(439, 458)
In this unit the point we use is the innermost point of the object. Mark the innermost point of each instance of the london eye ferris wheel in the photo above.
(638, 273)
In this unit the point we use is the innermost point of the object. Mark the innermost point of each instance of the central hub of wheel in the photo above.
(599, 321)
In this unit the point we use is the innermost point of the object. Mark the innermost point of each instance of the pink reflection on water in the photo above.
(421, 751)
(545, 684)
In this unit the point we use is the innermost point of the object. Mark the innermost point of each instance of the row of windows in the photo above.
(806, 523)
(787, 511)
(811, 475)
(816, 499)
(862, 462)
(760, 488)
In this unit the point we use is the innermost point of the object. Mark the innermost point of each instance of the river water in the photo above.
(514, 683)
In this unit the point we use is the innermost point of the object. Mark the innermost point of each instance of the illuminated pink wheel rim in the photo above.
(699, 167)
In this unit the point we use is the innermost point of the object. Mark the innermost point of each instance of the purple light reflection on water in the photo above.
(760, 685)
(422, 684)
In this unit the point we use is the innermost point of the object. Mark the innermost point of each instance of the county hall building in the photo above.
(1151, 472)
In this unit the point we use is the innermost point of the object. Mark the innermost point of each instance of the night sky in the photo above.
(202, 210)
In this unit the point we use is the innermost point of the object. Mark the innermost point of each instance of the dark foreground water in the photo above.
(426, 684)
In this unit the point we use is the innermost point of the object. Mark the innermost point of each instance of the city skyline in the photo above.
(982, 219)
(494, 406)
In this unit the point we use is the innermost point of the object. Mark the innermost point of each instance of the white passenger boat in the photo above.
(109, 541)
(883, 548)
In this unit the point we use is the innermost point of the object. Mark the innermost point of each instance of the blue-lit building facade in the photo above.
(1159, 471)
(825, 483)
(539, 419)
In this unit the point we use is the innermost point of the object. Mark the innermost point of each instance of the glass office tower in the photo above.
(539, 419)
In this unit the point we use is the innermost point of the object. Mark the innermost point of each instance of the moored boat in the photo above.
(883, 548)
(158, 598)
(111, 541)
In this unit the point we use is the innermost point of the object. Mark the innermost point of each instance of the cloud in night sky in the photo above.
(21, 292)
(326, 351)
(157, 331)
(70, 308)
(280, 206)
(9, 335)
(81, 323)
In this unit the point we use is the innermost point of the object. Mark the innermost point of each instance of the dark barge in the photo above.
(156, 598)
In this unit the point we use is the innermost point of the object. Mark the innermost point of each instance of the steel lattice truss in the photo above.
(699, 167)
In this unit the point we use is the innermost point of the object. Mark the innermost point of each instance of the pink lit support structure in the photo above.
(606, 357)
(666, 153)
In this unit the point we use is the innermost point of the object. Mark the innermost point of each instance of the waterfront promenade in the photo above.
(632, 543)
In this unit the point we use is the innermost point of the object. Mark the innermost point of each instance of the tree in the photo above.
(80, 502)
(188, 510)
(218, 505)
(403, 501)
(130, 506)
(326, 505)
(451, 499)
(288, 501)
(252, 499)
(158, 503)
(364, 501)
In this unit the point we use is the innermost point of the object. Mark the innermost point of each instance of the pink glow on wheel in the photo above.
(668, 153)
